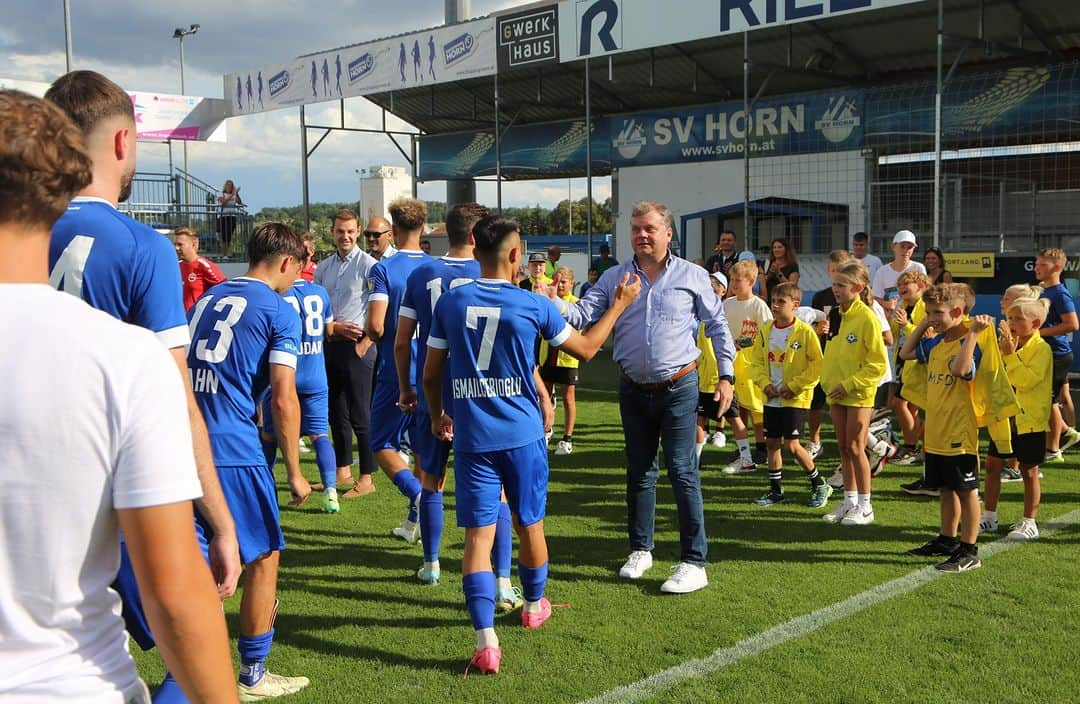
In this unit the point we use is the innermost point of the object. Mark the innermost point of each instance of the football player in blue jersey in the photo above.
(422, 291)
(388, 421)
(122, 267)
(245, 338)
(312, 303)
(488, 330)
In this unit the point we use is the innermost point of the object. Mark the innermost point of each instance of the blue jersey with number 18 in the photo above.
(238, 329)
(489, 328)
(312, 303)
(422, 291)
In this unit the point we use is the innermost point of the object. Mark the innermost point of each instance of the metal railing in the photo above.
(169, 201)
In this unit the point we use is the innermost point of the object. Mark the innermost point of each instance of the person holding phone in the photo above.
(781, 266)
(231, 205)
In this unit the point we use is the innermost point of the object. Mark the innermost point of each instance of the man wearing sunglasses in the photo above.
(379, 237)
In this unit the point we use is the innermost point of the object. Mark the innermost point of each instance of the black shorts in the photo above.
(733, 410)
(567, 376)
(1062, 365)
(784, 422)
(898, 390)
(817, 403)
(881, 397)
(1029, 449)
(707, 407)
(954, 472)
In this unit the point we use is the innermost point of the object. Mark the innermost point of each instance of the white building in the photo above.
(379, 185)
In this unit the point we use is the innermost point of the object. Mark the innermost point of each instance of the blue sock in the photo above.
(409, 486)
(253, 653)
(533, 581)
(169, 692)
(479, 588)
(270, 453)
(324, 458)
(431, 523)
(504, 543)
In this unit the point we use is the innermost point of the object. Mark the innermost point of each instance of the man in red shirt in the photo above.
(198, 273)
(308, 272)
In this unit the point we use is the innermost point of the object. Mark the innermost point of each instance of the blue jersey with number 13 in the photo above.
(238, 329)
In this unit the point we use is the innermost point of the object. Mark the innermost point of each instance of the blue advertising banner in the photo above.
(815, 122)
(528, 151)
(1021, 104)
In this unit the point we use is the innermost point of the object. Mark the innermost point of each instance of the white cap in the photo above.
(905, 236)
(719, 276)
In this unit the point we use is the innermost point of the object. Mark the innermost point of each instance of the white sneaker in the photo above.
(685, 578)
(838, 513)
(836, 481)
(565, 447)
(407, 531)
(988, 523)
(718, 439)
(548, 434)
(814, 448)
(639, 562)
(270, 686)
(304, 449)
(739, 467)
(1025, 529)
(406, 457)
(858, 517)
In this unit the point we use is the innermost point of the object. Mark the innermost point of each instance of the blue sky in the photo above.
(131, 42)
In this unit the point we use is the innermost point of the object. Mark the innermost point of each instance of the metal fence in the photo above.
(1009, 169)
(168, 201)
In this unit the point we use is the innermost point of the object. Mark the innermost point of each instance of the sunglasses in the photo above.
(371, 234)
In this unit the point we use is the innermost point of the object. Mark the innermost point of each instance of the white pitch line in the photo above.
(800, 626)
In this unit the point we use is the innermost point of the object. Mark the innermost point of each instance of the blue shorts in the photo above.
(126, 586)
(388, 423)
(480, 477)
(432, 451)
(251, 495)
(314, 413)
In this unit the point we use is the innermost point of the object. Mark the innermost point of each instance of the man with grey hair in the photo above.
(656, 350)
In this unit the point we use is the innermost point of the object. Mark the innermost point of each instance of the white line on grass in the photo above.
(800, 626)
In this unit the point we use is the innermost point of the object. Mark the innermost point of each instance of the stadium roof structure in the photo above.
(851, 50)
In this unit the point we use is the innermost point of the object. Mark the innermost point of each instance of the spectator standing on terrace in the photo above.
(724, 255)
(860, 248)
(934, 261)
(230, 207)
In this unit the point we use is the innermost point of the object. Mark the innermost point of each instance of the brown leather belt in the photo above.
(662, 385)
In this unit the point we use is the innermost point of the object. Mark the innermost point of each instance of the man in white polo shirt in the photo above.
(97, 440)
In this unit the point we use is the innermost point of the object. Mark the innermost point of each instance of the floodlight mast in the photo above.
(179, 34)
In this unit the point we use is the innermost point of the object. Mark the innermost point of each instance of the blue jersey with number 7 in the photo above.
(238, 329)
(489, 328)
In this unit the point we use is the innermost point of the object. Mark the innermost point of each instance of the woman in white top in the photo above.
(230, 203)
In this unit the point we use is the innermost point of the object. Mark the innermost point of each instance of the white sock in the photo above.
(744, 450)
(864, 502)
(486, 638)
(531, 607)
(851, 498)
(431, 566)
(503, 584)
(698, 447)
(990, 514)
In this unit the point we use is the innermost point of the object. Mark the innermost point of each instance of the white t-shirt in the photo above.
(872, 263)
(885, 327)
(778, 338)
(886, 277)
(745, 317)
(94, 420)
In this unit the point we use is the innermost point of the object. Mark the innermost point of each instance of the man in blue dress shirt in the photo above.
(655, 348)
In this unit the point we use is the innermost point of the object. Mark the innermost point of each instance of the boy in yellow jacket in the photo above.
(1029, 362)
(951, 360)
(852, 368)
(785, 364)
(558, 367)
